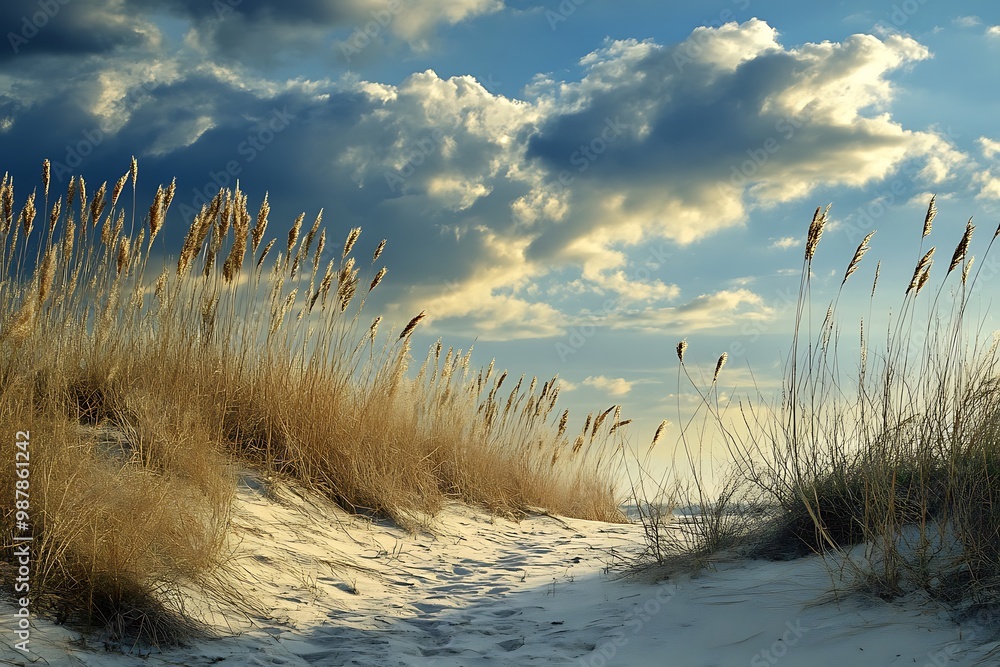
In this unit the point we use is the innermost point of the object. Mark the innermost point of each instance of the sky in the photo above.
(573, 187)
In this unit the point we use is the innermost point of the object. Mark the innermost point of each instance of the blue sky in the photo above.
(572, 186)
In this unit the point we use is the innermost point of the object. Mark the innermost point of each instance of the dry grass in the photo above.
(141, 384)
(890, 469)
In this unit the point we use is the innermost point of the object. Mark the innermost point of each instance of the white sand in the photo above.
(338, 590)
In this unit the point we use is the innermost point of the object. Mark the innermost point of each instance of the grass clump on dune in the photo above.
(890, 468)
(144, 383)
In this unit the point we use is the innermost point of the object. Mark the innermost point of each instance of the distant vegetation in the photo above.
(145, 387)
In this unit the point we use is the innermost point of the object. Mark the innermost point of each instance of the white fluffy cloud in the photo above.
(613, 386)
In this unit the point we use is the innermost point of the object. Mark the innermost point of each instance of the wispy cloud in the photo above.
(786, 242)
(967, 21)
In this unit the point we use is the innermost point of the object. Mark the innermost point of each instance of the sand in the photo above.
(333, 589)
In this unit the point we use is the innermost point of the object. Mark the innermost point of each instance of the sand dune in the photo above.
(332, 589)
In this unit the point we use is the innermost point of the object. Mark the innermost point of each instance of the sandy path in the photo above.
(331, 589)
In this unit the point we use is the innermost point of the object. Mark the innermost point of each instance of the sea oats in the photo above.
(27, 217)
(600, 420)
(69, 236)
(562, 424)
(119, 224)
(6, 204)
(619, 424)
(210, 260)
(224, 220)
(237, 253)
(81, 187)
(858, 254)
(138, 296)
(929, 218)
(719, 364)
(378, 251)
(320, 245)
(71, 192)
(864, 347)
(327, 281)
(134, 170)
(307, 243)
(878, 270)
(267, 249)
(258, 231)
(346, 291)
(408, 329)
(156, 211)
(967, 268)
(124, 254)
(659, 431)
(47, 274)
(378, 278)
(54, 215)
(920, 269)
(161, 285)
(373, 329)
(962, 248)
(681, 347)
(22, 323)
(816, 231)
(117, 191)
(171, 191)
(293, 234)
(46, 175)
(923, 279)
(352, 238)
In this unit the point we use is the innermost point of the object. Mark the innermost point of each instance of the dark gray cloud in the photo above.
(66, 28)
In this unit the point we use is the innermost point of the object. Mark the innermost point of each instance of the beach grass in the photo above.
(885, 460)
(147, 381)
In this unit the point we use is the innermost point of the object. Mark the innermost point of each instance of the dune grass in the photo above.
(888, 463)
(147, 382)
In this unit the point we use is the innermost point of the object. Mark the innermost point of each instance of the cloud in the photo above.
(34, 29)
(705, 312)
(506, 217)
(236, 29)
(786, 242)
(613, 386)
(989, 147)
(967, 21)
(702, 132)
(993, 31)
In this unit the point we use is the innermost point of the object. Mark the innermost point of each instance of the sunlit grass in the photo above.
(143, 383)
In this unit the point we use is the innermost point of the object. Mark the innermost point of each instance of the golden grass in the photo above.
(141, 384)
